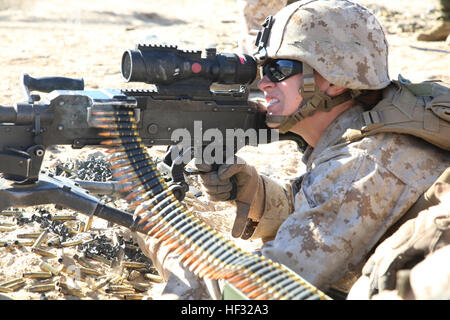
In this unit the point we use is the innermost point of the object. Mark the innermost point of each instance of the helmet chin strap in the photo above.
(313, 100)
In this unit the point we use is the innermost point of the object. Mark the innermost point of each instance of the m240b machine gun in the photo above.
(127, 122)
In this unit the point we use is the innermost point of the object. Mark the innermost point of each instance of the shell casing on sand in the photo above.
(63, 218)
(48, 268)
(40, 239)
(6, 290)
(132, 296)
(37, 275)
(41, 288)
(43, 252)
(71, 243)
(33, 235)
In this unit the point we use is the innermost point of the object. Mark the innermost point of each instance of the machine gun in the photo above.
(181, 99)
(129, 121)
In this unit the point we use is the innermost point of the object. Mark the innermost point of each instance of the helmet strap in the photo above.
(313, 99)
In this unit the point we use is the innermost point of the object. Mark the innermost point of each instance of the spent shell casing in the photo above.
(99, 258)
(43, 252)
(134, 265)
(6, 224)
(40, 239)
(82, 261)
(89, 223)
(36, 275)
(28, 243)
(63, 218)
(101, 283)
(90, 271)
(153, 277)
(11, 282)
(17, 285)
(6, 290)
(3, 244)
(33, 235)
(81, 226)
(41, 288)
(7, 229)
(8, 213)
(48, 268)
(135, 296)
(71, 243)
(72, 292)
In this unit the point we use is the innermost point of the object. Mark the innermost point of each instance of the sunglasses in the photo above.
(279, 70)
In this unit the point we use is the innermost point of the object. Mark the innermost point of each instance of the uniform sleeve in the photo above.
(349, 198)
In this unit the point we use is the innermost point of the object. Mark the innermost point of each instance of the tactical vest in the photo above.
(418, 109)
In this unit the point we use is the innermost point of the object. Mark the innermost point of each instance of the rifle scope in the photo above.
(165, 65)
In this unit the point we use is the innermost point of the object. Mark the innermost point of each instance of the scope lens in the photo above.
(126, 65)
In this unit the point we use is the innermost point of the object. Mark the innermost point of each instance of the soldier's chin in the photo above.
(272, 125)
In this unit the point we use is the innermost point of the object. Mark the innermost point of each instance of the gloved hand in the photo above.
(415, 239)
(218, 185)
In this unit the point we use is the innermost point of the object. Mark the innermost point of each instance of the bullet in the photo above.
(133, 296)
(101, 283)
(113, 113)
(119, 133)
(28, 243)
(134, 265)
(121, 141)
(114, 119)
(63, 218)
(129, 161)
(127, 147)
(83, 262)
(136, 168)
(48, 268)
(7, 229)
(35, 275)
(7, 213)
(33, 235)
(43, 253)
(11, 282)
(117, 126)
(6, 290)
(99, 258)
(81, 226)
(6, 224)
(17, 285)
(41, 288)
(72, 292)
(127, 154)
(153, 277)
(90, 271)
(40, 239)
(54, 242)
(71, 243)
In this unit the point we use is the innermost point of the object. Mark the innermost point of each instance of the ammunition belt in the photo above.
(159, 214)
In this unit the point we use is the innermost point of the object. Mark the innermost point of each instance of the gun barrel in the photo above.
(8, 114)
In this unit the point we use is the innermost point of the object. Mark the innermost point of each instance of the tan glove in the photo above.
(249, 191)
(415, 239)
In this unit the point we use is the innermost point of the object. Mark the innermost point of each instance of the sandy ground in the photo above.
(87, 38)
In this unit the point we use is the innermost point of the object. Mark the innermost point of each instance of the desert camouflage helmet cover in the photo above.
(340, 39)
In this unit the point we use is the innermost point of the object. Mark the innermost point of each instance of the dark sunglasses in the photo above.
(278, 70)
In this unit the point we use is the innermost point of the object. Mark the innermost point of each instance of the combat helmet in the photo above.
(341, 40)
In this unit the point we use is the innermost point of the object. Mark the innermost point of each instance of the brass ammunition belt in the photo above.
(161, 215)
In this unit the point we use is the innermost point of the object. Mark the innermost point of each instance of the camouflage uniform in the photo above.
(353, 191)
(348, 198)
